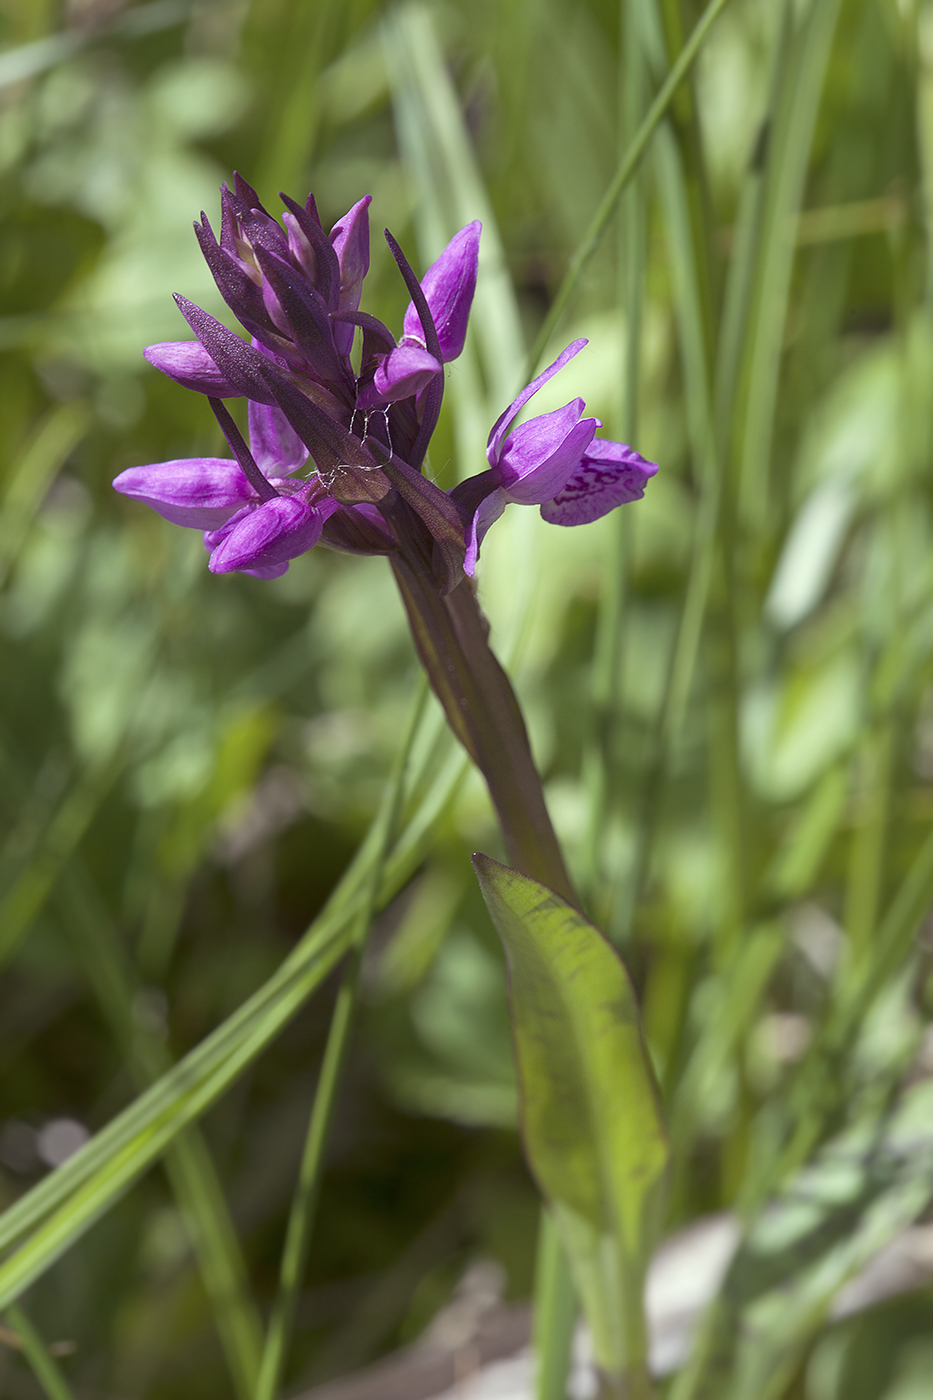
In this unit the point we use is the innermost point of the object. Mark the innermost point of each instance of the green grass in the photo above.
(728, 686)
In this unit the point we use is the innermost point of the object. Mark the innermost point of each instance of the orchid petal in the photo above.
(486, 514)
(189, 364)
(200, 492)
(275, 445)
(350, 239)
(449, 285)
(540, 456)
(271, 534)
(270, 571)
(504, 422)
(406, 371)
(609, 475)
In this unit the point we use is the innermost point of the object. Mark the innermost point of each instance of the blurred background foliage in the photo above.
(188, 763)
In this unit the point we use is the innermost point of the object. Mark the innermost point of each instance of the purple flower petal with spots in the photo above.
(200, 492)
(449, 285)
(539, 457)
(609, 475)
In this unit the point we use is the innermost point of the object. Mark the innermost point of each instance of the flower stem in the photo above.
(451, 635)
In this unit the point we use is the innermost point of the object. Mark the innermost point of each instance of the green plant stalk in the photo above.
(304, 1202)
(46, 1371)
(450, 634)
(555, 1313)
(627, 167)
(690, 272)
(602, 758)
(865, 884)
(451, 638)
(792, 137)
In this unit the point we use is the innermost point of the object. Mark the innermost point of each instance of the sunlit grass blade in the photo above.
(57, 843)
(189, 1165)
(29, 479)
(788, 163)
(627, 167)
(865, 1187)
(44, 1366)
(75, 1195)
(304, 1201)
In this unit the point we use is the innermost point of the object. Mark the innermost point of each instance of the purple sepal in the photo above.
(189, 364)
(350, 240)
(539, 457)
(505, 421)
(299, 309)
(314, 249)
(244, 368)
(449, 285)
(276, 446)
(272, 571)
(200, 492)
(233, 282)
(247, 195)
(399, 375)
(268, 536)
(486, 514)
(609, 475)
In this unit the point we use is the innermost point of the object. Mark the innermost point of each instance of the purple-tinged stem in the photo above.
(451, 636)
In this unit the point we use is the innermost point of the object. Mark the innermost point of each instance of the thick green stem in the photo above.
(451, 636)
(555, 1313)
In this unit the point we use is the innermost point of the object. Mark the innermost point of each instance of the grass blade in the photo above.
(627, 167)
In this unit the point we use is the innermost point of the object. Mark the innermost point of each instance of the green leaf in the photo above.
(861, 1190)
(591, 1118)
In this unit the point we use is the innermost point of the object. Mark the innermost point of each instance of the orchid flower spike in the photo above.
(335, 452)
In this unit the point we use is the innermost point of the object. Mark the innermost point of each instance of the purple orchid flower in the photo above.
(255, 518)
(358, 437)
(448, 287)
(552, 461)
